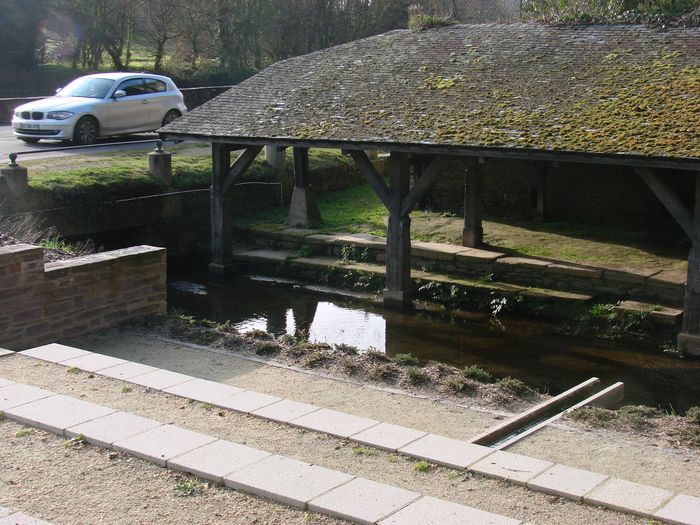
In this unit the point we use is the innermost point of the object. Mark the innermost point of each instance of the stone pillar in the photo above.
(689, 339)
(16, 177)
(221, 236)
(303, 210)
(275, 157)
(399, 288)
(473, 232)
(160, 164)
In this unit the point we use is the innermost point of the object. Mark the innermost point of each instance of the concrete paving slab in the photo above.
(54, 352)
(203, 390)
(433, 511)
(127, 370)
(513, 467)
(57, 413)
(363, 501)
(568, 482)
(93, 362)
(681, 510)
(286, 480)
(20, 394)
(160, 379)
(5, 382)
(163, 443)
(4, 352)
(445, 451)
(284, 411)
(114, 427)
(334, 423)
(217, 459)
(19, 518)
(627, 496)
(247, 401)
(4, 512)
(387, 436)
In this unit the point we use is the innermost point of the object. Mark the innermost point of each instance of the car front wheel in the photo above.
(170, 116)
(86, 131)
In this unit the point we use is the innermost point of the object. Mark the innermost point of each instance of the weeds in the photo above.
(477, 374)
(417, 376)
(24, 432)
(406, 360)
(305, 250)
(457, 385)
(385, 373)
(514, 386)
(363, 451)
(187, 487)
(315, 360)
(352, 254)
(693, 415)
(421, 466)
(72, 370)
(267, 348)
(75, 442)
(126, 389)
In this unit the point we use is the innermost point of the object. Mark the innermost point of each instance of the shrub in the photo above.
(693, 415)
(383, 373)
(514, 386)
(477, 374)
(266, 348)
(406, 360)
(458, 385)
(314, 360)
(416, 375)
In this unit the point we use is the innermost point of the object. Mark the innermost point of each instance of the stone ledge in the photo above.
(575, 271)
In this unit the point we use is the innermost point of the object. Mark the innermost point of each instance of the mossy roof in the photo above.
(622, 90)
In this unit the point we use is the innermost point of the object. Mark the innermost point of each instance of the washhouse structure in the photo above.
(608, 95)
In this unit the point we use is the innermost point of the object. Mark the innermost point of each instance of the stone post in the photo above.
(16, 177)
(160, 164)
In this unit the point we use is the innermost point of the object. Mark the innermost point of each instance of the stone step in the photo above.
(655, 312)
(575, 484)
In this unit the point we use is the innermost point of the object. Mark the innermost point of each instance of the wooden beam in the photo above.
(303, 210)
(240, 165)
(221, 238)
(473, 232)
(542, 175)
(425, 182)
(399, 288)
(374, 179)
(670, 200)
(301, 167)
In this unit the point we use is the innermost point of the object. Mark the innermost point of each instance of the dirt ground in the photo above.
(600, 451)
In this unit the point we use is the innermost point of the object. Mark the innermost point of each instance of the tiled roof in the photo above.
(595, 89)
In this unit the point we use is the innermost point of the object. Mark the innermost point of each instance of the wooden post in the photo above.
(473, 232)
(541, 185)
(689, 338)
(399, 288)
(303, 210)
(221, 237)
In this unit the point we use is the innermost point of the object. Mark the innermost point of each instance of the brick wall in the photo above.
(41, 303)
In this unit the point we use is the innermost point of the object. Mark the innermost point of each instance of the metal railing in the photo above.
(200, 88)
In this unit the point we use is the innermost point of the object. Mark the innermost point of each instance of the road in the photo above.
(10, 144)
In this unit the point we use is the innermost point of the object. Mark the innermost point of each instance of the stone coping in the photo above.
(561, 480)
(240, 467)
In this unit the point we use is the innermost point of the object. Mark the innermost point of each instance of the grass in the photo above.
(72, 370)
(187, 487)
(363, 451)
(421, 466)
(406, 360)
(24, 432)
(126, 389)
(477, 374)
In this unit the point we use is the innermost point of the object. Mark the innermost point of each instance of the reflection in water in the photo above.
(518, 348)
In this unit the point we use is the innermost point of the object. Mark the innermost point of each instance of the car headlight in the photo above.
(59, 115)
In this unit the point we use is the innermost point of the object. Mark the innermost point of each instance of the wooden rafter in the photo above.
(670, 200)
(240, 165)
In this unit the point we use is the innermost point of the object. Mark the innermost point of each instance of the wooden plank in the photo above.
(473, 232)
(610, 159)
(374, 179)
(425, 182)
(670, 200)
(240, 165)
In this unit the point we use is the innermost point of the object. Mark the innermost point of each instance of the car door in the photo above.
(158, 100)
(132, 112)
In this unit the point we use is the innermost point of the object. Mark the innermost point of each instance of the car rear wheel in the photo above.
(30, 140)
(170, 116)
(86, 131)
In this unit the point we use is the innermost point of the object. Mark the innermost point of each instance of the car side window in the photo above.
(132, 87)
(152, 85)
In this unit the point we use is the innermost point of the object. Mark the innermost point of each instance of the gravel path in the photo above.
(70, 474)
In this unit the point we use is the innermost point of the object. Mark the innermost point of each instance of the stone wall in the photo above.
(41, 303)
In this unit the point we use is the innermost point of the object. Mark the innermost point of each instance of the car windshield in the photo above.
(87, 87)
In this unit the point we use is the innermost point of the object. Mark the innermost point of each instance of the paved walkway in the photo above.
(9, 517)
(560, 480)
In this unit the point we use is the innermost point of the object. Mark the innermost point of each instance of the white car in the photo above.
(100, 105)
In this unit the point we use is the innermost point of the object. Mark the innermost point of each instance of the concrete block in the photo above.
(387, 436)
(54, 352)
(4, 352)
(93, 362)
(681, 510)
(334, 423)
(475, 255)
(203, 390)
(57, 413)
(19, 394)
(513, 467)
(247, 401)
(217, 459)
(568, 482)
(5, 382)
(445, 451)
(362, 501)
(433, 511)
(163, 443)
(575, 271)
(160, 379)
(105, 431)
(435, 250)
(19, 518)
(286, 480)
(523, 262)
(284, 411)
(627, 496)
(127, 370)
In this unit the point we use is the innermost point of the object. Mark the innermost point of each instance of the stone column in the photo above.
(16, 177)
(399, 287)
(303, 210)
(160, 164)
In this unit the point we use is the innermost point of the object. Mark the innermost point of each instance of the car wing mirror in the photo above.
(58, 90)
(119, 93)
